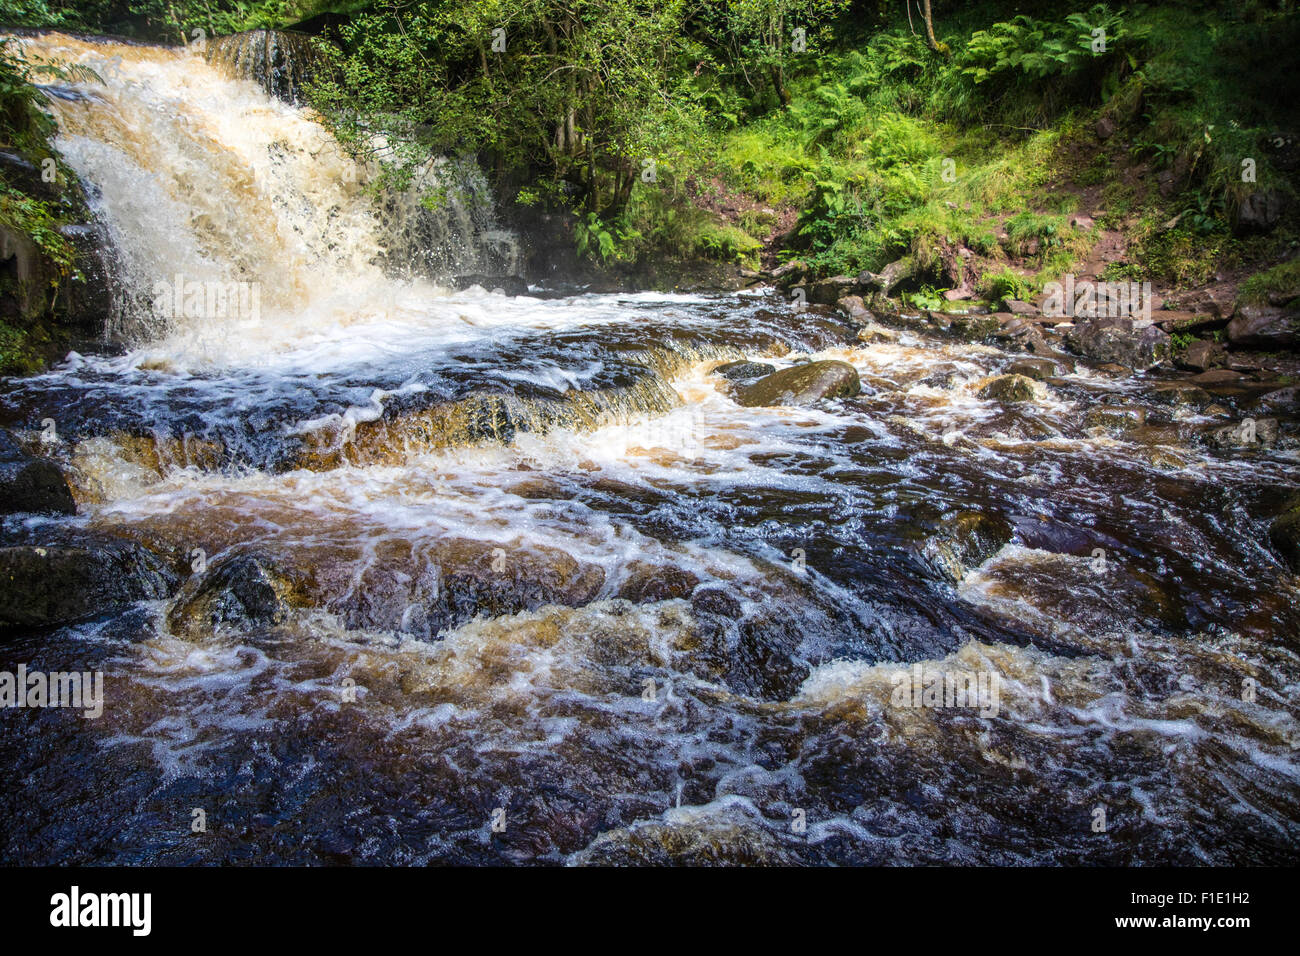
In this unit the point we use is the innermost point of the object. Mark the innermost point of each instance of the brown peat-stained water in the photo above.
(551, 596)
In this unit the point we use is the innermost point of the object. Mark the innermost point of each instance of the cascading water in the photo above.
(437, 555)
(199, 174)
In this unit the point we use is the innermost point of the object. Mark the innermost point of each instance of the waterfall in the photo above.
(277, 60)
(221, 200)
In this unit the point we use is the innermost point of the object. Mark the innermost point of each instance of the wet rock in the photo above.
(241, 591)
(744, 371)
(1247, 433)
(802, 385)
(965, 540)
(973, 328)
(646, 583)
(715, 601)
(876, 333)
(1013, 388)
(29, 484)
(1115, 418)
(1284, 534)
(1016, 307)
(1200, 356)
(764, 661)
(855, 309)
(1218, 376)
(1014, 424)
(43, 586)
(1112, 370)
(1264, 327)
(690, 838)
(1286, 399)
(1035, 368)
(1180, 393)
(479, 577)
(1119, 341)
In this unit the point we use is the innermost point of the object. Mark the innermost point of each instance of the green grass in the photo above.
(1280, 283)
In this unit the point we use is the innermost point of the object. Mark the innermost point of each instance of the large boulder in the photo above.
(31, 484)
(1264, 327)
(1120, 341)
(45, 586)
(802, 385)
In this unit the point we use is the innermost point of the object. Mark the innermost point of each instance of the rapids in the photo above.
(707, 607)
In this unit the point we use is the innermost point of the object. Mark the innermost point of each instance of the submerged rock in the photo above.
(1115, 418)
(44, 586)
(802, 385)
(479, 577)
(29, 484)
(649, 582)
(1180, 393)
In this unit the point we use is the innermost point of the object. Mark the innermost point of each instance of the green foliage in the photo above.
(1004, 285)
(1280, 284)
(1036, 49)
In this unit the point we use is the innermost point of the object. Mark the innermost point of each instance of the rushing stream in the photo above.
(535, 560)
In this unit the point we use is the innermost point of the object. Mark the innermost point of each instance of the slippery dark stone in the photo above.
(802, 385)
(29, 484)
(61, 584)
(241, 591)
(1120, 341)
(744, 371)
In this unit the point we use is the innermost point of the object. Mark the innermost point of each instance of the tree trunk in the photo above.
(929, 26)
